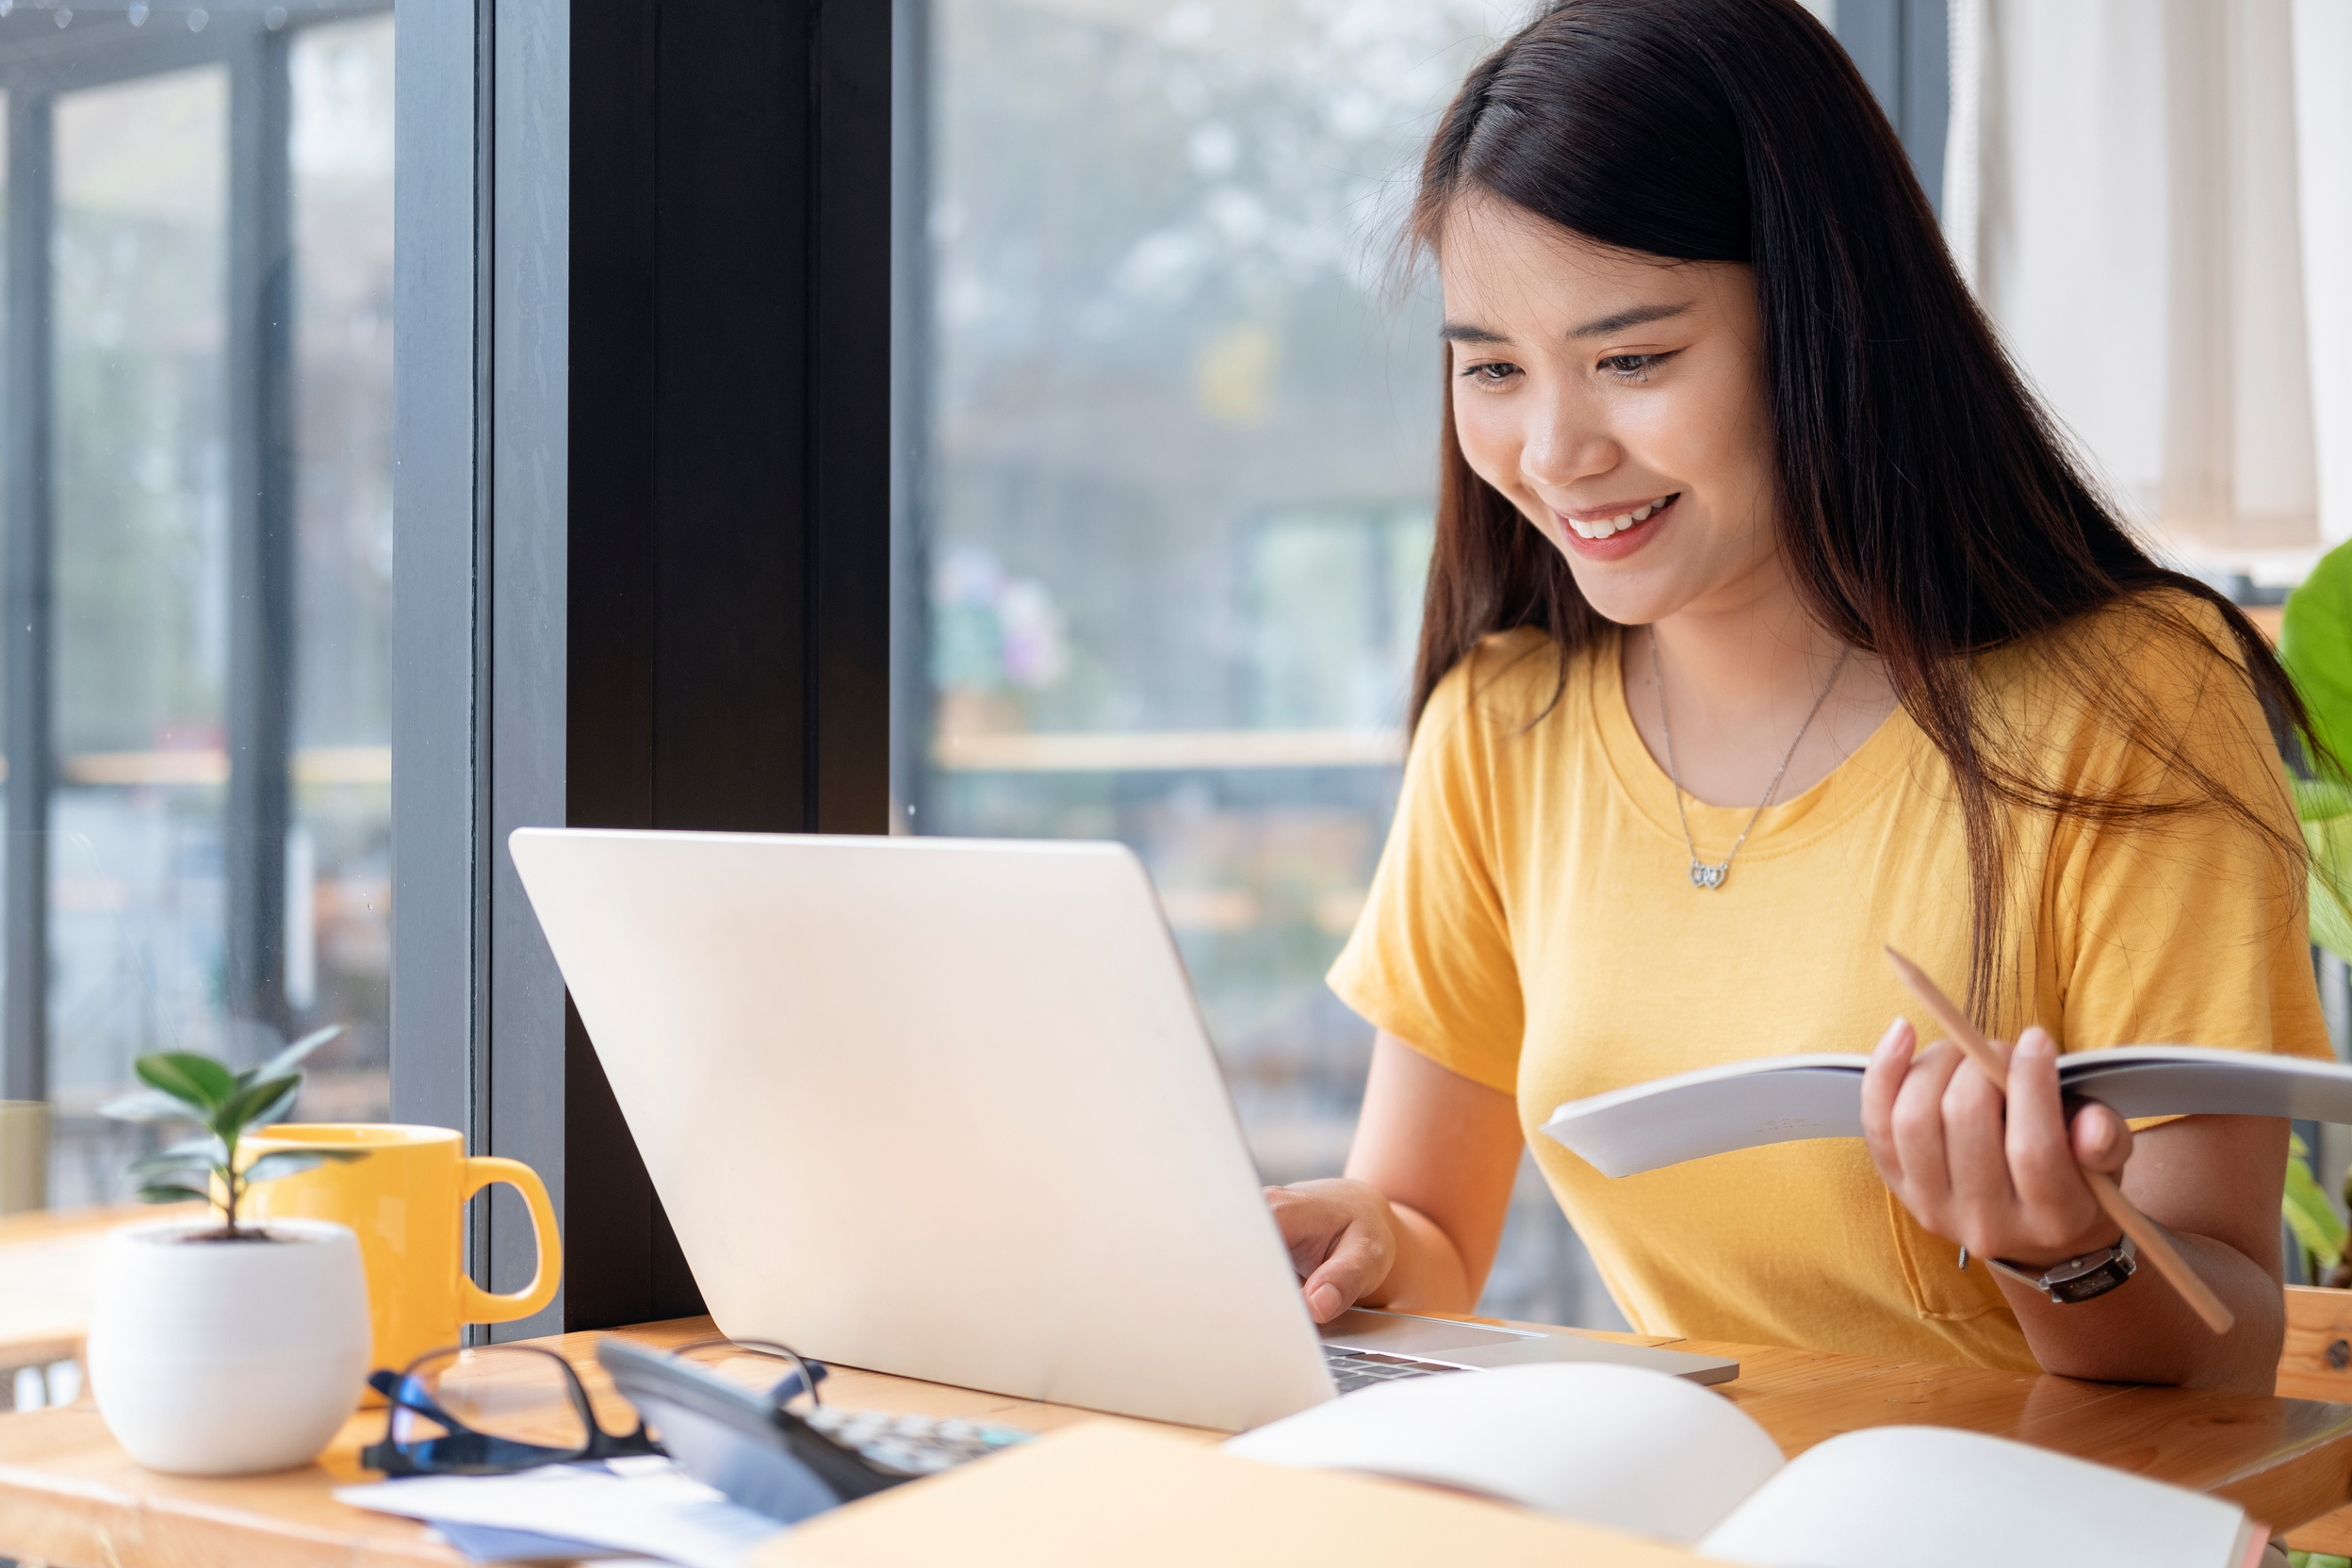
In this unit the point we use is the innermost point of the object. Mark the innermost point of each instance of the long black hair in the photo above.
(1927, 508)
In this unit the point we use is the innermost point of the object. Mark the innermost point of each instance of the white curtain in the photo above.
(2153, 200)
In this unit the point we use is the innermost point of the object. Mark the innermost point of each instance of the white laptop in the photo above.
(945, 1108)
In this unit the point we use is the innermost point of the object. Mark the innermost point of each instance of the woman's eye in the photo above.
(1634, 368)
(1491, 373)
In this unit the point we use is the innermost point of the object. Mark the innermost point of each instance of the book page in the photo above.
(1783, 1099)
(2174, 1080)
(1612, 1445)
(1714, 1110)
(1929, 1497)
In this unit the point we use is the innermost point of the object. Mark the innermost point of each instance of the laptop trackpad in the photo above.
(1401, 1335)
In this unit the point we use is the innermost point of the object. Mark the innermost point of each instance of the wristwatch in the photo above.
(2076, 1279)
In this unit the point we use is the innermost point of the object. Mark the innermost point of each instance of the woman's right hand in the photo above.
(1342, 1236)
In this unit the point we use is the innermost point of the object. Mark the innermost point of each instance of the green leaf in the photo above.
(293, 1162)
(184, 1075)
(275, 1112)
(246, 1104)
(291, 1058)
(166, 1193)
(282, 1161)
(2325, 807)
(2315, 645)
(2321, 799)
(2319, 1230)
(148, 1105)
(199, 1157)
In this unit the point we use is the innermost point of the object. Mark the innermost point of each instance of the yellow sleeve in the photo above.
(1431, 960)
(2193, 929)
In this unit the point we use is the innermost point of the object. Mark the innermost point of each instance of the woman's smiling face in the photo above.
(1619, 403)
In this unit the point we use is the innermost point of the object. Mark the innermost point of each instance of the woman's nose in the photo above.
(1564, 446)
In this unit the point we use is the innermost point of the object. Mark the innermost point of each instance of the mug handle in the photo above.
(477, 1305)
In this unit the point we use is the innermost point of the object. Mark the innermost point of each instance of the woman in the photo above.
(1770, 621)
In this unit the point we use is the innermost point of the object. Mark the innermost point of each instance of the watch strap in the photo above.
(2078, 1279)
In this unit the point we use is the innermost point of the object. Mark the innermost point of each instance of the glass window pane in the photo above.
(338, 931)
(1183, 448)
(138, 255)
(219, 392)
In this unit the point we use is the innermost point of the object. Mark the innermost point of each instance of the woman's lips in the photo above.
(1624, 541)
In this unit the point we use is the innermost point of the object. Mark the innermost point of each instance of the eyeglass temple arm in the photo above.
(803, 1378)
(404, 1392)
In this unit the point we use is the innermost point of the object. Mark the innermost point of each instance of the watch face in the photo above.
(2096, 1281)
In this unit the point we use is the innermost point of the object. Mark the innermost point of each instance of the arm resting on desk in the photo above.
(1416, 1219)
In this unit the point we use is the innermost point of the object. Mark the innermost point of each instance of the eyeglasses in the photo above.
(492, 1410)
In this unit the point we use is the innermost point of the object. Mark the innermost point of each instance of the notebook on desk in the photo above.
(1592, 1466)
(946, 1108)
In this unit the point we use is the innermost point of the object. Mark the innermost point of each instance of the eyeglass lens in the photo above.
(760, 1365)
(488, 1406)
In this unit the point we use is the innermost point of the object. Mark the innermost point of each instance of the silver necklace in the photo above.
(1702, 874)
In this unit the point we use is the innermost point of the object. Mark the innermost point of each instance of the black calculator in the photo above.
(787, 1464)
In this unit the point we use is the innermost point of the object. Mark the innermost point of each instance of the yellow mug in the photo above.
(406, 1201)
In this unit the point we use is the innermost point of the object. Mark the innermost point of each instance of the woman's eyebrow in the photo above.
(1466, 332)
(1638, 315)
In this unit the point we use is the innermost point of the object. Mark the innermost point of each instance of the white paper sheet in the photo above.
(646, 1506)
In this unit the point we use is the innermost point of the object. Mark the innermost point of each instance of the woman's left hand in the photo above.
(2004, 1180)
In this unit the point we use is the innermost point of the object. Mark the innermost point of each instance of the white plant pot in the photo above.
(212, 1358)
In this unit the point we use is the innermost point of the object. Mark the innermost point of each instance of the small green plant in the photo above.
(2319, 1230)
(186, 1085)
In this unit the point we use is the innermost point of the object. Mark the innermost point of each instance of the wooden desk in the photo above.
(70, 1498)
(48, 1268)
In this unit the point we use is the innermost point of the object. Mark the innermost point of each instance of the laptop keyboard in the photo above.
(1355, 1369)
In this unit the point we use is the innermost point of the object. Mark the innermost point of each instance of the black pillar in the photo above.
(261, 526)
(30, 599)
(645, 473)
(728, 596)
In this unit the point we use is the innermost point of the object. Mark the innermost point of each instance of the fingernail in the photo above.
(1886, 1042)
(2102, 1131)
(1324, 1303)
(2037, 1040)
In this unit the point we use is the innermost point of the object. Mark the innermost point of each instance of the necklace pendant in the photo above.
(1707, 876)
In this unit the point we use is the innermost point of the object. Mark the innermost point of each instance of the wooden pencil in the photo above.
(2145, 1234)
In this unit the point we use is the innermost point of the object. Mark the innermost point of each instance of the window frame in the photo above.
(643, 314)
(258, 352)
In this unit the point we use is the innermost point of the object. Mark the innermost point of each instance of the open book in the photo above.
(1659, 1455)
(1783, 1099)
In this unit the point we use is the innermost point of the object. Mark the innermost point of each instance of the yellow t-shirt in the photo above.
(1533, 927)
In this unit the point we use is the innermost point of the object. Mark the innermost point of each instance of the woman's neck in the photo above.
(1738, 679)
